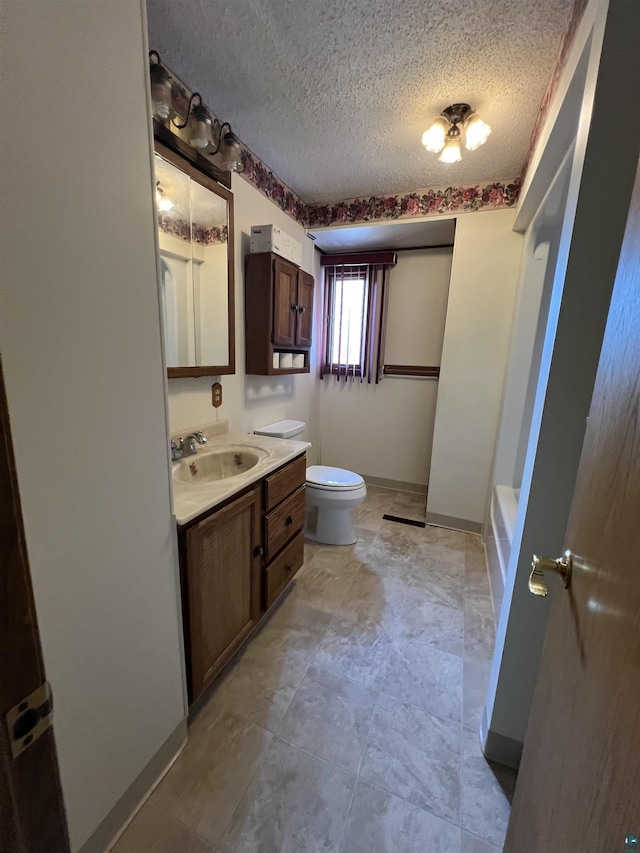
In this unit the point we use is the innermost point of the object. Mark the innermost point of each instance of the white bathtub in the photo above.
(504, 509)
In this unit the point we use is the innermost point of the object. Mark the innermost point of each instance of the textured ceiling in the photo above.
(334, 96)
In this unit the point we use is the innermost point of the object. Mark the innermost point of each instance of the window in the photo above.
(354, 315)
(347, 311)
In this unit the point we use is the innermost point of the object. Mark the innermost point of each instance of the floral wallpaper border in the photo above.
(424, 202)
(200, 234)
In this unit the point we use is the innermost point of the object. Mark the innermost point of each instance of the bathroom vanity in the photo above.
(240, 539)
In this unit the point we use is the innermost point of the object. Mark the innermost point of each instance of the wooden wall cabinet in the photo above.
(278, 313)
(235, 562)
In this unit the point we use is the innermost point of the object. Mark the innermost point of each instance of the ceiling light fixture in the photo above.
(204, 132)
(444, 135)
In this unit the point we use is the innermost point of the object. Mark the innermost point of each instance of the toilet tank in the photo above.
(282, 429)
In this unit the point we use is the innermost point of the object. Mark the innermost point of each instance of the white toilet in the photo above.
(331, 493)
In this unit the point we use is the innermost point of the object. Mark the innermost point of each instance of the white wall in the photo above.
(80, 342)
(359, 422)
(602, 72)
(252, 401)
(484, 277)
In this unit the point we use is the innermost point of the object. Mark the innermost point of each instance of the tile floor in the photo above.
(349, 722)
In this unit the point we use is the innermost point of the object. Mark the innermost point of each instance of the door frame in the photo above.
(31, 803)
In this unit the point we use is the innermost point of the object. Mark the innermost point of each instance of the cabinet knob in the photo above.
(300, 309)
(294, 307)
(288, 569)
(258, 551)
(289, 521)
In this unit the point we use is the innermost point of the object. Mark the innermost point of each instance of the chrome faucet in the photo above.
(186, 446)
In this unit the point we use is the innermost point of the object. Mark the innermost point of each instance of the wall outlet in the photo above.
(216, 395)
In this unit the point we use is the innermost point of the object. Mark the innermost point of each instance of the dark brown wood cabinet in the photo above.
(222, 586)
(235, 561)
(278, 314)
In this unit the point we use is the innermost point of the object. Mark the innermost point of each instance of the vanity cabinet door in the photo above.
(285, 306)
(223, 578)
(305, 309)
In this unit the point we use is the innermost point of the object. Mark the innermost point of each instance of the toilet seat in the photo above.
(330, 479)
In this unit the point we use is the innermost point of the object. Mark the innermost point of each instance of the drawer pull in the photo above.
(289, 520)
(288, 569)
(258, 551)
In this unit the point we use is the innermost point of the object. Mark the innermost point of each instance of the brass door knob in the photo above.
(539, 565)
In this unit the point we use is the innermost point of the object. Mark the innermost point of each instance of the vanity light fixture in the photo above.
(444, 135)
(204, 131)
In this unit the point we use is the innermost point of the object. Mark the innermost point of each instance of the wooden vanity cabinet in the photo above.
(278, 313)
(235, 561)
(221, 584)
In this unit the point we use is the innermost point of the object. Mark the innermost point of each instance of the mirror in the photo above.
(195, 238)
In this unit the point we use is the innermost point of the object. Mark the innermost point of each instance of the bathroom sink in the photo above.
(211, 466)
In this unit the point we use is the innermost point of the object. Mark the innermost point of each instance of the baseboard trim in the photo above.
(455, 523)
(130, 803)
(397, 485)
(498, 748)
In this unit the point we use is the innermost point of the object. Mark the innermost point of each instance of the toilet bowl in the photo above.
(331, 494)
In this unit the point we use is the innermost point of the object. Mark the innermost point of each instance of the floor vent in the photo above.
(404, 520)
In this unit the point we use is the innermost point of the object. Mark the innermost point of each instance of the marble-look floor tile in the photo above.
(479, 628)
(295, 803)
(356, 650)
(334, 561)
(475, 681)
(207, 781)
(487, 790)
(321, 588)
(381, 561)
(476, 577)
(434, 624)
(472, 844)
(424, 676)
(295, 628)
(416, 756)
(154, 831)
(374, 599)
(330, 716)
(409, 505)
(380, 822)
(452, 540)
(259, 685)
(396, 539)
(443, 582)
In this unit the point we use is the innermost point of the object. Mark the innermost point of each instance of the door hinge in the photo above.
(27, 720)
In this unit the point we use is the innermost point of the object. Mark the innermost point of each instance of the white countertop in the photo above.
(192, 499)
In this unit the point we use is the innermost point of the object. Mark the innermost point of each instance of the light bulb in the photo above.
(162, 202)
(434, 138)
(231, 153)
(451, 151)
(161, 92)
(199, 128)
(476, 132)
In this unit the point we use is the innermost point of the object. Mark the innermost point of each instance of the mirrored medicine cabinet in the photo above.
(195, 238)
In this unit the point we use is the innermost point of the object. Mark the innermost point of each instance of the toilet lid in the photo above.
(333, 478)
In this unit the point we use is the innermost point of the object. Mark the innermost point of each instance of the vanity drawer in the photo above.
(283, 568)
(279, 485)
(283, 522)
